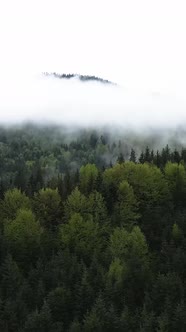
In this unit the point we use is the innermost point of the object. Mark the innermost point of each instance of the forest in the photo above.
(92, 231)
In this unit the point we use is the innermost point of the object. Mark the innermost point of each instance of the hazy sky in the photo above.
(139, 43)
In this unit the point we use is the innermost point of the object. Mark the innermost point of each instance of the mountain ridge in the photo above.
(82, 78)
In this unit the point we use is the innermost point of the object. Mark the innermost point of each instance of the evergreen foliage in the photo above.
(92, 236)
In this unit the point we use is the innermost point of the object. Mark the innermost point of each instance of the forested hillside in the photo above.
(92, 233)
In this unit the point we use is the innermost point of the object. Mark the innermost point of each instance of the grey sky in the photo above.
(139, 44)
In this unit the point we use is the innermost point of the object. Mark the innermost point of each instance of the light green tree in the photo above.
(47, 207)
(13, 201)
(148, 183)
(88, 176)
(175, 175)
(83, 237)
(126, 209)
(76, 203)
(124, 244)
(23, 235)
(97, 207)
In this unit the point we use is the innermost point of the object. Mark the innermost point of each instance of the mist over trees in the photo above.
(92, 231)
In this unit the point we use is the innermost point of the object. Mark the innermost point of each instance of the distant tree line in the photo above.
(83, 78)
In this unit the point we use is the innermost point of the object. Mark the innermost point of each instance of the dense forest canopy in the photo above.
(92, 231)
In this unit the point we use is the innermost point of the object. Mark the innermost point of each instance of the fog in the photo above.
(40, 99)
(133, 43)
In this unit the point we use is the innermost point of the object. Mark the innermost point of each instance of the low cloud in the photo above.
(46, 99)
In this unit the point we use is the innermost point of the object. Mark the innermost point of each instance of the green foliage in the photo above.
(177, 233)
(82, 237)
(88, 177)
(60, 304)
(23, 235)
(117, 271)
(75, 327)
(13, 201)
(127, 206)
(124, 244)
(147, 181)
(76, 203)
(11, 278)
(40, 322)
(176, 178)
(97, 207)
(47, 207)
(88, 243)
(101, 318)
(130, 267)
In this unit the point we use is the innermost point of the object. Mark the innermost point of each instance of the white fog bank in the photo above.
(71, 102)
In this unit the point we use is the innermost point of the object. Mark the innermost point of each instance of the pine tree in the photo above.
(132, 156)
(142, 158)
(121, 158)
(11, 277)
(147, 156)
